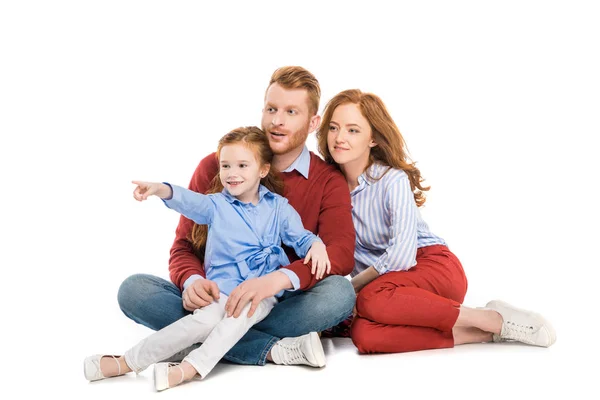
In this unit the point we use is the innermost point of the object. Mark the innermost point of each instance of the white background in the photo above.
(498, 102)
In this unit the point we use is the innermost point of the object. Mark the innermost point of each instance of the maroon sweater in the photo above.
(323, 202)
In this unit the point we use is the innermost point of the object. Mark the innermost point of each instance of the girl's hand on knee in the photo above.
(320, 259)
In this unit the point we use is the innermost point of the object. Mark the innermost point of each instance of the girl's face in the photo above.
(350, 138)
(240, 172)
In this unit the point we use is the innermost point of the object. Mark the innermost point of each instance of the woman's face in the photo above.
(350, 137)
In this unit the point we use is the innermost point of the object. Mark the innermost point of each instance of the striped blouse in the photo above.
(389, 226)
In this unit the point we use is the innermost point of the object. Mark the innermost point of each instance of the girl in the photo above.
(409, 285)
(247, 223)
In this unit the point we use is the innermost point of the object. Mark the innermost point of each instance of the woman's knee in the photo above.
(362, 335)
(368, 299)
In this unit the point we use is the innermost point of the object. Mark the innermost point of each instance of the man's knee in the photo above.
(336, 294)
(134, 290)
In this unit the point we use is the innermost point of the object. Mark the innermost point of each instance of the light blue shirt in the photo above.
(302, 165)
(244, 240)
(389, 226)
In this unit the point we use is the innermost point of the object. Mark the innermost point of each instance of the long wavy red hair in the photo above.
(391, 147)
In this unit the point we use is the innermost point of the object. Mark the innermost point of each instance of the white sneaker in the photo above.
(522, 325)
(305, 350)
(161, 375)
(91, 367)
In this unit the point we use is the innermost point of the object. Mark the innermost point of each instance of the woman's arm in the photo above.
(361, 280)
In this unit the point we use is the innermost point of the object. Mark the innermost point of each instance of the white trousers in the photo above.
(208, 325)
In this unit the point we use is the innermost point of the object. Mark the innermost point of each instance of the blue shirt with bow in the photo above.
(244, 240)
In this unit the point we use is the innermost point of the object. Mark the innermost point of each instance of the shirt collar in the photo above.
(374, 171)
(301, 164)
(262, 192)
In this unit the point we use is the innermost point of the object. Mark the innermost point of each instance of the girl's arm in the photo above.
(195, 206)
(292, 230)
(144, 190)
(198, 207)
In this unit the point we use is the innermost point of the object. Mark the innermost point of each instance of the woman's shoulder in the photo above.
(387, 174)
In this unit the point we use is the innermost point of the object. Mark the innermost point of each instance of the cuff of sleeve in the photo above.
(308, 245)
(175, 194)
(380, 267)
(293, 278)
(191, 280)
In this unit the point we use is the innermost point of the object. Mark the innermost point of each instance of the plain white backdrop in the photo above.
(498, 101)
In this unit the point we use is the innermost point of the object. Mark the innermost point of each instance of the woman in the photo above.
(409, 285)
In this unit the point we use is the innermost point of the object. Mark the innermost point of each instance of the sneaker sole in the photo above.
(545, 325)
(317, 350)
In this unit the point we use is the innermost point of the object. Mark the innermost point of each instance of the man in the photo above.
(320, 194)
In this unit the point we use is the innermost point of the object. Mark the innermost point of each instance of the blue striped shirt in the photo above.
(244, 240)
(389, 226)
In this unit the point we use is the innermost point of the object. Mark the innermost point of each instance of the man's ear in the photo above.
(315, 121)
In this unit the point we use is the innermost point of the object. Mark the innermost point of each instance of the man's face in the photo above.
(286, 118)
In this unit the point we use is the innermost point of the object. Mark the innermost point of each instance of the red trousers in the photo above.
(411, 310)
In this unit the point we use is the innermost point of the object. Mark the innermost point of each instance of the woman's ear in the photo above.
(372, 144)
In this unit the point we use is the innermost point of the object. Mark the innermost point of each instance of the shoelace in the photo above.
(293, 355)
(518, 332)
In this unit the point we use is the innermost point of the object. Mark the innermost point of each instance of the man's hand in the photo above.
(199, 294)
(255, 290)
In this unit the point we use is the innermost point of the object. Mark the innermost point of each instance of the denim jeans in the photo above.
(156, 303)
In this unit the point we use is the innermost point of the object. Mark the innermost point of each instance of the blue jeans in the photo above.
(156, 303)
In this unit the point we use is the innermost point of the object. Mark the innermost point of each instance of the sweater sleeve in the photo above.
(335, 229)
(183, 263)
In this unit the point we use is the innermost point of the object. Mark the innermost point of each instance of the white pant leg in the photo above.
(225, 335)
(179, 335)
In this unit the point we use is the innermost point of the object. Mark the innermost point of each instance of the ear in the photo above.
(372, 144)
(264, 171)
(315, 121)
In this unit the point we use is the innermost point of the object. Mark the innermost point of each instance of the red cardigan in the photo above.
(323, 202)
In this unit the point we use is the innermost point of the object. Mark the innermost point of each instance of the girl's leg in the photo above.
(224, 336)
(180, 334)
(202, 360)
